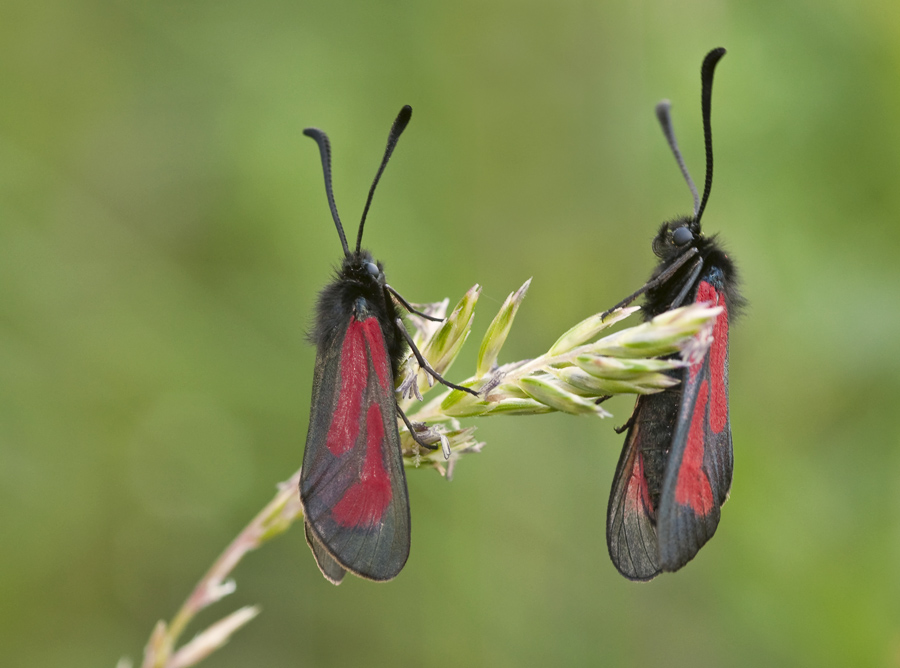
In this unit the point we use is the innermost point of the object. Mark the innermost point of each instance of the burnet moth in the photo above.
(675, 470)
(352, 485)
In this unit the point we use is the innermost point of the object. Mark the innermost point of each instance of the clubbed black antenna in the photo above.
(325, 149)
(396, 130)
(706, 76)
(665, 120)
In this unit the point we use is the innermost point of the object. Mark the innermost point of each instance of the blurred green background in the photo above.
(164, 231)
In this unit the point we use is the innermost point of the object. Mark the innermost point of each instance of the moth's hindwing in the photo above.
(631, 514)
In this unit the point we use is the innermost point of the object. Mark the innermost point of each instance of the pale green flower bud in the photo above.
(584, 383)
(444, 346)
(498, 330)
(550, 392)
(587, 329)
(667, 333)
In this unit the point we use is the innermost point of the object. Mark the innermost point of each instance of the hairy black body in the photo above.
(675, 469)
(352, 485)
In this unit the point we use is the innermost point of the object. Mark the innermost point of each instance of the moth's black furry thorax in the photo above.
(709, 251)
(359, 276)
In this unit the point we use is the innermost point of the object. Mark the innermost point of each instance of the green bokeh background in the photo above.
(164, 231)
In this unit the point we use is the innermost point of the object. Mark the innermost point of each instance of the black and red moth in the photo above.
(675, 470)
(352, 485)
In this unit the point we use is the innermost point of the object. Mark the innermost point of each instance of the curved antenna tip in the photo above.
(706, 79)
(325, 153)
(663, 108)
(397, 129)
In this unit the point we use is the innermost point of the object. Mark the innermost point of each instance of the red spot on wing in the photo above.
(354, 371)
(364, 503)
(378, 351)
(637, 494)
(692, 488)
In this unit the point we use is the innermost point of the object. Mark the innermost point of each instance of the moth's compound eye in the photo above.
(373, 269)
(682, 236)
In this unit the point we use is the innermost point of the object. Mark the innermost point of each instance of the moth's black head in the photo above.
(676, 236)
(361, 268)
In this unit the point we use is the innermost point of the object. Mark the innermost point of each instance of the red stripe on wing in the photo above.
(705, 293)
(637, 493)
(718, 417)
(363, 504)
(693, 488)
(354, 371)
(718, 414)
(378, 351)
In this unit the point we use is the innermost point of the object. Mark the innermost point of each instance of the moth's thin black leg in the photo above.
(426, 367)
(625, 427)
(630, 423)
(659, 280)
(409, 307)
(600, 400)
(412, 432)
(695, 272)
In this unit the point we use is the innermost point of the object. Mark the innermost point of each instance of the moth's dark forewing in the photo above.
(633, 500)
(352, 486)
(330, 568)
(699, 470)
